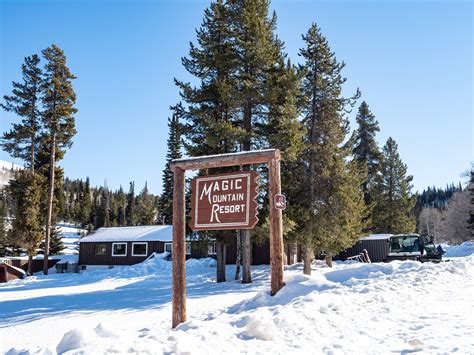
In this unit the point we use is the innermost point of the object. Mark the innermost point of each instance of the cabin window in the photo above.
(188, 248)
(211, 249)
(100, 249)
(168, 247)
(119, 249)
(139, 249)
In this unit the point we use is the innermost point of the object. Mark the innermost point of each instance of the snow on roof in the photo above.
(376, 236)
(162, 233)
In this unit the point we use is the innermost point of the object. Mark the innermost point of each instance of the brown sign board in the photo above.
(224, 201)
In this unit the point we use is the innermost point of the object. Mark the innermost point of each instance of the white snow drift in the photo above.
(399, 307)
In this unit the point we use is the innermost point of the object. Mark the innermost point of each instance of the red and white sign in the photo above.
(224, 201)
(280, 202)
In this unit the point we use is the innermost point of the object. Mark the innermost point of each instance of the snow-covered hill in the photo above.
(7, 170)
(400, 307)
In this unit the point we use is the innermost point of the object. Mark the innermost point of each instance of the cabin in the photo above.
(9, 272)
(112, 246)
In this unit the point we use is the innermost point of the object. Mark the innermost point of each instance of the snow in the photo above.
(464, 249)
(6, 165)
(399, 307)
(71, 235)
(162, 233)
(376, 236)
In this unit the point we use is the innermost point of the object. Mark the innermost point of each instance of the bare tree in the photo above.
(455, 218)
(430, 222)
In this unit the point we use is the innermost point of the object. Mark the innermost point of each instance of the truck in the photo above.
(388, 247)
(413, 247)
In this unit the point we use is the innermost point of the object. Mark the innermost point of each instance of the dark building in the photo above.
(377, 246)
(124, 245)
(112, 246)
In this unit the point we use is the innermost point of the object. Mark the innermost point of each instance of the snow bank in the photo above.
(72, 340)
(400, 307)
(464, 249)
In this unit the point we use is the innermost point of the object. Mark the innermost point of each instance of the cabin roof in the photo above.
(163, 233)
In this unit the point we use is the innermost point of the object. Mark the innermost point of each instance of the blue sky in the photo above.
(412, 61)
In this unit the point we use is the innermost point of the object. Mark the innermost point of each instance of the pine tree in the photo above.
(266, 90)
(86, 205)
(332, 210)
(210, 125)
(393, 199)
(245, 88)
(366, 151)
(471, 209)
(27, 230)
(58, 120)
(56, 245)
(23, 139)
(121, 200)
(174, 152)
(3, 224)
(103, 217)
(146, 207)
(131, 209)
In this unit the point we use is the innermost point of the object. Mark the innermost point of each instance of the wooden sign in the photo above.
(224, 201)
(280, 202)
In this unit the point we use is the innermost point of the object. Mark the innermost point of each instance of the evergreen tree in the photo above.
(121, 200)
(3, 224)
(332, 212)
(23, 139)
(366, 151)
(58, 120)
(210, 125)
(131, 209)
(393, 200)
(174, 152)
(64, 212)
(245, 88)
(56, 245)
(146, 207)
(26, 229)
(103, 217)
(86, 205)
(471, 209)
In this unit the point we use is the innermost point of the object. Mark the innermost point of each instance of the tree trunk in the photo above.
(308, 250)
(32, 153)
(30, 264)
(238, 256)
(293, 253)
(221, 259)
(245, 234)
(50, 205)
(246, 257)
(329, 260)
(308, 259)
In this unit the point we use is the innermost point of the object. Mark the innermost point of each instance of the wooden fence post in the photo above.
(179, 249)
(276, 227)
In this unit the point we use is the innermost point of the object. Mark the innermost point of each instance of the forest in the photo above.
(247, 95)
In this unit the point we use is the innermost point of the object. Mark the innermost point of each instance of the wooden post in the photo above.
(276, 227)
(179, 249)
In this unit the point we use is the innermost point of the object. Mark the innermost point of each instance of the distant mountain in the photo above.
(7, 169)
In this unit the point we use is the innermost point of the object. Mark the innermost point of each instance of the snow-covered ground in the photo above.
(71, 234)
(400, 307)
